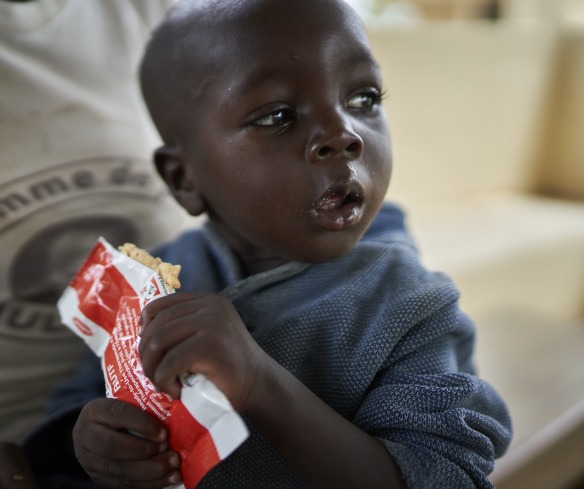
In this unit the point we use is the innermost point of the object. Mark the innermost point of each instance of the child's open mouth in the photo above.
(340, 206)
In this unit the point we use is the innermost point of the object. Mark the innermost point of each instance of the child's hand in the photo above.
(199, 334)
(120, 446)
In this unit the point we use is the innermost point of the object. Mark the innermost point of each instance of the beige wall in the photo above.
(452, 9)
(543, 9)
(466, 104)
(562, 170)
(480, 107)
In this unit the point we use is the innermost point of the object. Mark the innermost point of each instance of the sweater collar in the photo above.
(231, 270)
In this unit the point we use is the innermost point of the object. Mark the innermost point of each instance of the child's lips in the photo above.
(340, 206)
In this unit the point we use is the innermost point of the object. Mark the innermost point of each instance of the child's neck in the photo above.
(252, 264)
(252, 259)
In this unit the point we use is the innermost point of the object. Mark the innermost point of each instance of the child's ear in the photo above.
(174, 170)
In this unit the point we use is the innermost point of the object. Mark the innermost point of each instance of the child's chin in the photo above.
(336, 247)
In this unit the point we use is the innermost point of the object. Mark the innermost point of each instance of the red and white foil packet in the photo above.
(102, 305)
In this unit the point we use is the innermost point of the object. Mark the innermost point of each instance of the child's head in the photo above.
(271, 118)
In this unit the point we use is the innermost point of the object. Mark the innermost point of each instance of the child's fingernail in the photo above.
(174, 461)
(174, 478)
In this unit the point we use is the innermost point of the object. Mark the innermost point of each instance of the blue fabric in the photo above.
(378, 338)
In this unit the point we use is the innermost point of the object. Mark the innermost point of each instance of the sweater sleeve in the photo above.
(87, 384)
(49, 447)
(443, 426)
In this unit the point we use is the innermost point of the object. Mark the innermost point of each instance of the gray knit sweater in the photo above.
(378, 338)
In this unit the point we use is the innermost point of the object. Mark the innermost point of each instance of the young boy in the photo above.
(306, 303)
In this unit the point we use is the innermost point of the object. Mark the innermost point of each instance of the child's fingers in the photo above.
(159, 471)
(153, 308)
(183, 357)
(120, 415)
(108, 442)
(115, 458)
(202, 334)
(103, 425)
(170, 326)
(153, 352)
(177, 324)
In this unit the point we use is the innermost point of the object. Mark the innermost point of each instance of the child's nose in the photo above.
(335, 140)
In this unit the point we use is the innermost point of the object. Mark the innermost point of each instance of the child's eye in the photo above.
(279, 117)
(365, 99)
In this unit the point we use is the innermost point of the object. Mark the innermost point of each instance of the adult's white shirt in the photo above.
(75, 163)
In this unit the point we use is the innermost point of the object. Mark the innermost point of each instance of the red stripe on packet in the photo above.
(199, 454)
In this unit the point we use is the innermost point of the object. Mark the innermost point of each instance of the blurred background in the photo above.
(485, 103)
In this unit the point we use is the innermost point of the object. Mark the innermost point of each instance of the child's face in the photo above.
(286, 139)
